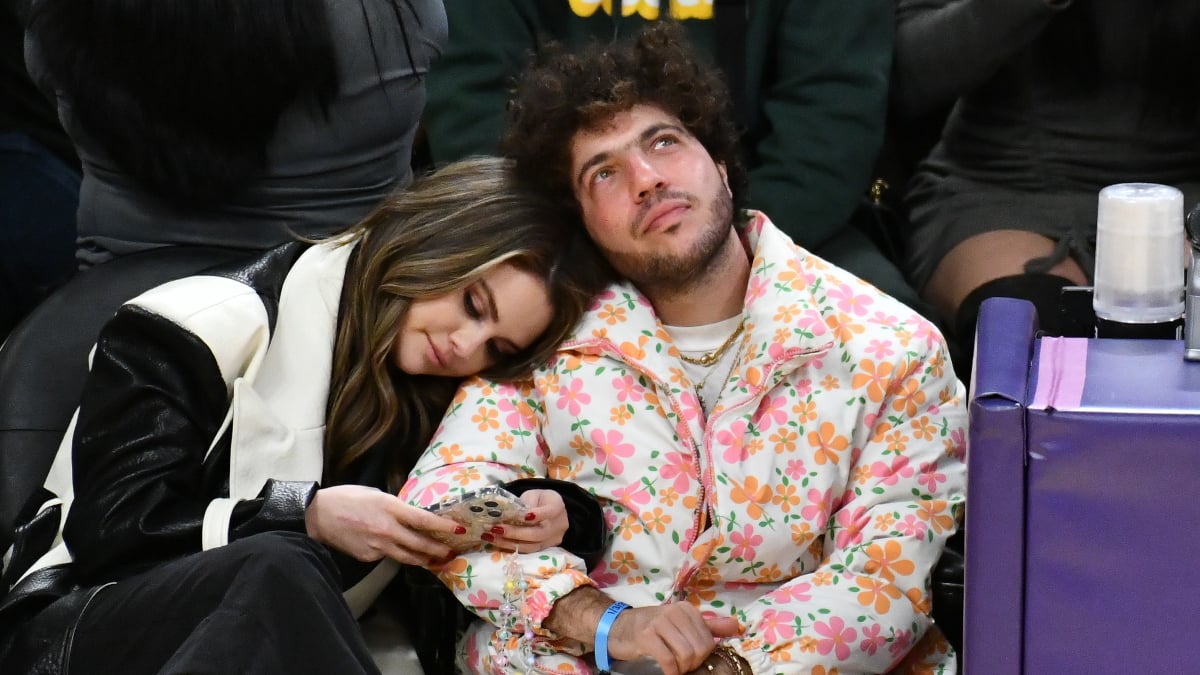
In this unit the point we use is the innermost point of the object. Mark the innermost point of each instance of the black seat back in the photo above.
(44, 362)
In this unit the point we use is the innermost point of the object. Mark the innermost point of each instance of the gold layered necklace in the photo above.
(709, 358)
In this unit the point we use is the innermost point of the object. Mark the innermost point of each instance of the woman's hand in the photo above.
(370, 524)
(544, 526)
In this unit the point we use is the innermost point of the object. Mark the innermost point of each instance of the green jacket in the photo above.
(816, 84)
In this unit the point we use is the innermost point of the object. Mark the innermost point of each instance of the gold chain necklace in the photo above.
(710, 358)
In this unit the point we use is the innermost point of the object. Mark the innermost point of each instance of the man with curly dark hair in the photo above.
(778, 446)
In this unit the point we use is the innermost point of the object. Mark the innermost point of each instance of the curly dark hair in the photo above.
(561, 93)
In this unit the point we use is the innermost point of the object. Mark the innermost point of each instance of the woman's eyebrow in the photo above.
(491, 301)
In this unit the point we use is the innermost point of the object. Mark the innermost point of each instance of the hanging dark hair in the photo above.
(1158, 49)
(184, 95)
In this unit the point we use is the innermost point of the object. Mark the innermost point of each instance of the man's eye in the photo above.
(664, 141)
(602, 174)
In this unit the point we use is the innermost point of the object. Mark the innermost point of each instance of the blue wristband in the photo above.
(606, 622)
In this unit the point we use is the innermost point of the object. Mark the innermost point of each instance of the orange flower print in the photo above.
(580, 446)
(784, 440)
(935, 513)
(808, 645)
(624, 562)
(805, 411)
(876, 592)
(821, 670)
(465, 475)
(885, 521)
(486, 418)
(628, 527)
(876, 378)
(881, 428)
(635, 352)
(794, 277)
(844, 327)
(785, 313)
(897, 442)
(657, 520)
(559, 467)
(830, 383)
(786, 497)
(828, 443)
(450, 453)
(620, 414)
(909, 397)
(923, 428)
(750, 493)
(937, 365)
(886, 560)
(802, 533)
(612, 314)
(823, 579)
(520, 414)
(504, 440)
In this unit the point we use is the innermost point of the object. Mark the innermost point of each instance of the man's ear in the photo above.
(724, 177)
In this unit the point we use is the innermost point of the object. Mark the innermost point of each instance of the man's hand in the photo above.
(675, 635)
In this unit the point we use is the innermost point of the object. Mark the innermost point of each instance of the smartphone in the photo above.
(479, 512)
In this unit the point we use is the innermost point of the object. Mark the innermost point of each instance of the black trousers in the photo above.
(270, 603)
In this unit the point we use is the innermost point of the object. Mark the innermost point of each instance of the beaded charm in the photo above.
(514, 618)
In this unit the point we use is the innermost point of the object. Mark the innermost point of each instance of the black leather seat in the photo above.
(44, 361)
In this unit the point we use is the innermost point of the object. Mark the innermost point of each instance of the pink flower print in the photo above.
(798, 591)
(887, 320)
(777, 626)
(891, 474)
(838, 637)
(930, 477)
(872, 639)
(817, 510)
(851, 524)
(901, 643)
(880, 349)
(956, 445)
(810, 322)
(628, 389)
(795, 469)
(480, 599)
(924, 331)
(912, 526)
(604, 576)
(772, 410)
(745, 543)
(757, 289)
(520, 415)
(635, 493)
(804, 387)
(610, 449)
(572, 397)
(734, 439)
(777, 351)
(679, 467)
(849, 302)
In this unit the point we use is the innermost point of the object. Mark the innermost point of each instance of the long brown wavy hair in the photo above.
(435, 237)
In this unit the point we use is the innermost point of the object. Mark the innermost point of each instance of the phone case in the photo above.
(479, 512)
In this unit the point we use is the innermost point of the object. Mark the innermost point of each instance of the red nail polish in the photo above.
(460, 530)
(486, 537)
(497, 530)
(530, 516)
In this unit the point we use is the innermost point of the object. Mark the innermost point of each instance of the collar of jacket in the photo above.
(784, 321)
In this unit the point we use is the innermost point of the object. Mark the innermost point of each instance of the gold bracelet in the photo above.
(731, 659)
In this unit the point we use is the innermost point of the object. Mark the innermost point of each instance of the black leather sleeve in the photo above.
(150, 407)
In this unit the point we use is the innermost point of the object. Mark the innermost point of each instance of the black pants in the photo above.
(270, 603)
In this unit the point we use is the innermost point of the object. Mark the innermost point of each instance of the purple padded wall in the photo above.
(992, 627)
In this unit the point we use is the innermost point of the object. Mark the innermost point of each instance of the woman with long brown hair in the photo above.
(226, 492)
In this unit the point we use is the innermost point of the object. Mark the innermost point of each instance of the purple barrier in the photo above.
(1102, 497)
